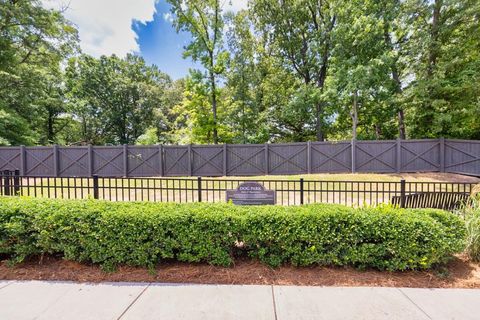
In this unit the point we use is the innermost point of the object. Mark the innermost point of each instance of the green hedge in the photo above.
(142, 234)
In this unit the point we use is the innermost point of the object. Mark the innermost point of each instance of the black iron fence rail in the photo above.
(444, 195)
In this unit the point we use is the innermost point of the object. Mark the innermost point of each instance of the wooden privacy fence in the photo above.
(389, 156)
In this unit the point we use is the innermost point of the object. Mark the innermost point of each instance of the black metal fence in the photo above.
(444, 195)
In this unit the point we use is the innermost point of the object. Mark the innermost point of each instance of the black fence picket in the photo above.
(445, 195)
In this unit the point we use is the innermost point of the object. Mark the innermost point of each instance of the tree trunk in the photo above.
(318, 124)
(354, 115)
(433, 50)
(396, 80)
(214, 100)
(50, 132)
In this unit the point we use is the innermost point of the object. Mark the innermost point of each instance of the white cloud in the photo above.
(105, 26)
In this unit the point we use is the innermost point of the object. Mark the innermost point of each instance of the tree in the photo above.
(443, 62)
(115, 98)
(204, 21)
(34, 42)
(300, 32)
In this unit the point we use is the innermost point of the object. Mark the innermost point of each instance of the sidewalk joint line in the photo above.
(134, 300)
(416, 305)
(7, 284)
(274, 304)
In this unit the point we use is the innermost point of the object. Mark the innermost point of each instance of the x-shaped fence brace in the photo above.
(288, 159)
(330, 157)
(176, 160)
(40, 162)
(143, 161)
(108, 161)
(420, 155)
(75, 161)
(208, 160)
(8, 161)
(474, 158)
(375, 156)
(246, 160)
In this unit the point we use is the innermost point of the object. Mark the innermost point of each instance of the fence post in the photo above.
(309, 157)
(90, 160)
(160, 154)
(266, 158)
(6, 182)
(22, 161)
(402, 193)
(199, 188)
(224, 159)
(399, 155)
(125, 160)
(189, 159)
(95, 186)
(354, 160)
(55, 160)
(301, 191)
(442, 154)
(16, 182)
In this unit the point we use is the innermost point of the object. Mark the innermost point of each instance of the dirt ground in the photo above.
(459, 273)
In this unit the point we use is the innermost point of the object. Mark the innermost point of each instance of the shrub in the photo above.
(471, 212)
(143, 234)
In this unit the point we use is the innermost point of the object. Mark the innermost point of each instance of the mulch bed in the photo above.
(459, 273)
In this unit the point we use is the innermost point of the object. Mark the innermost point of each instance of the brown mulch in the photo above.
(459, 273)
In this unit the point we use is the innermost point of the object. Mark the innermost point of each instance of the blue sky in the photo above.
(160, 44)
(143, 27)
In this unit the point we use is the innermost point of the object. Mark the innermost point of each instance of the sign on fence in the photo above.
(251, 193)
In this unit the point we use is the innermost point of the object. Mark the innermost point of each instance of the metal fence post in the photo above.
(16, 182)
(402, 193)
(301, 191)
(199, 187)
(6, 182)
(95, 186)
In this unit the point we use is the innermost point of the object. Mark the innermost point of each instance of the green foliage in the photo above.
(115, 98)
(144, 234)
(471, 212)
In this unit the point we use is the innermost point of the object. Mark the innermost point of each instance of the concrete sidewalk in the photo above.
(71, 301)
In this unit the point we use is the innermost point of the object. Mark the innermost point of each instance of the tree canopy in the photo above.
(278, 71)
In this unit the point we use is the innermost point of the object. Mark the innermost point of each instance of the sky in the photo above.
(143, 27)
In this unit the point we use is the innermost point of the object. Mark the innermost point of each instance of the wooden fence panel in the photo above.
(73, 162)
(143, 161)
(331, 156)
(375, 156)
(420, 155)
(427, 155)
(288, 158)
(177, 161)
(108, 161)
(39, 161)
(246, 160)
(207, 160)
(10, 158)
(462, 156)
